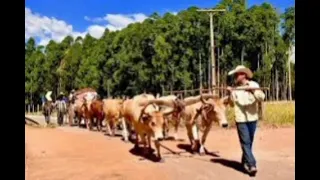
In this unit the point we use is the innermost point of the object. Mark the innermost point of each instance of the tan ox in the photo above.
(113, 115)
(143, 114)
(175, 117)
(201, 115)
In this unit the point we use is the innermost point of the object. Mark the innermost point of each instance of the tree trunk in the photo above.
(272, 90)
(108, 89)
(223, 75)
(289, 75)
(218, 70)
(200, 72)
(277, 85)
(285, 85)
(209, 73)
(242, 54)
(258, 63)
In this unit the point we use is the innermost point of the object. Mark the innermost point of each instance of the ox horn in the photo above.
(160, 102)
(143, 111)
(192, 100)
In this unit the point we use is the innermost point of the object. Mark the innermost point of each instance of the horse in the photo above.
(71, 113)
(61, 111)
(47, 110)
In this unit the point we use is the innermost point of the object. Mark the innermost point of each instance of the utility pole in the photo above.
(211, 11)
(200, 77)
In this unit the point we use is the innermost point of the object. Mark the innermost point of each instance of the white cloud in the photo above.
(174, 13)
(118, 21)
(95, 20)
(96, 31)
(46, 28)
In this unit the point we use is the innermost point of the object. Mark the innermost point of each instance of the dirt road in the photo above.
(70, 153)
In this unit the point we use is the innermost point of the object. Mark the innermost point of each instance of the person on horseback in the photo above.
(71, 96)
(48, 106)
(48, 96)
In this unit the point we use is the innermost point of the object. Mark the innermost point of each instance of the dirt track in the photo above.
(75, 154)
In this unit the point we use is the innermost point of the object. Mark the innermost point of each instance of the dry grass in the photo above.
(276, 114)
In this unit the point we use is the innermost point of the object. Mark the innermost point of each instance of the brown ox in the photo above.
(83, 111)
(96, 112)
(112, 109)
(201, 115)
(81, 106)
(142, 112)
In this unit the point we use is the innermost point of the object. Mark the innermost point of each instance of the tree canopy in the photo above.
(163, 53)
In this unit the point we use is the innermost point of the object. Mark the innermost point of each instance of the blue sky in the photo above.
(54, 19)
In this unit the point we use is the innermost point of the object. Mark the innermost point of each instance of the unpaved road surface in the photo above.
(71, 153)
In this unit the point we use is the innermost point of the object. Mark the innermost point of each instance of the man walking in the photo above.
(246, 113)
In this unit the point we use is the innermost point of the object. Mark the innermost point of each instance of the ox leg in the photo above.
(203, 138)
(114, 126)
(145, 144)
(166, 128)
(136, 145)
(149, 143)
(157, 145)
(108, 128)
(98, 124)
(124, 130)
(78, 116)
(191, 137)
(89, 123)
(176, 126)
(195, 135)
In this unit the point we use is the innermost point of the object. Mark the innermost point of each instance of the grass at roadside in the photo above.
(276, 114)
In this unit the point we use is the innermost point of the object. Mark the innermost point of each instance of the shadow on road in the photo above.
(171, 138)
(138, 151)
(231, 164)
(187, 147)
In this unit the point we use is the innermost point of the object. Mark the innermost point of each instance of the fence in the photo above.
(32, 108)
(222, 91)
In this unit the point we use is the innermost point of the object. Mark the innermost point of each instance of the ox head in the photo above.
(154, 119)
(214, 108)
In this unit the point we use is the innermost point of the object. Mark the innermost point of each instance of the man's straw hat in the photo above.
(242, 69)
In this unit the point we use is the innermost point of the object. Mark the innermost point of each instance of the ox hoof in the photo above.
(136, 147)
(175, 137)
(202, 151)
(161, 160)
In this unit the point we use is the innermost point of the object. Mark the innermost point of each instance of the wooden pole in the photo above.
(220, 88)
(213, 71)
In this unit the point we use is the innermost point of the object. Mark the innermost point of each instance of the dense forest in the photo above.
(163, 53)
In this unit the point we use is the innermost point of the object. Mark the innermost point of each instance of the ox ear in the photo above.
(226, 100)
(145, 117)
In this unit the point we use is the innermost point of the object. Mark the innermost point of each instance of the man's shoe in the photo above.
(246, 167)
(253, 171)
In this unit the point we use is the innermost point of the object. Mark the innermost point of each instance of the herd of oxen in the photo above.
(148, 117)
